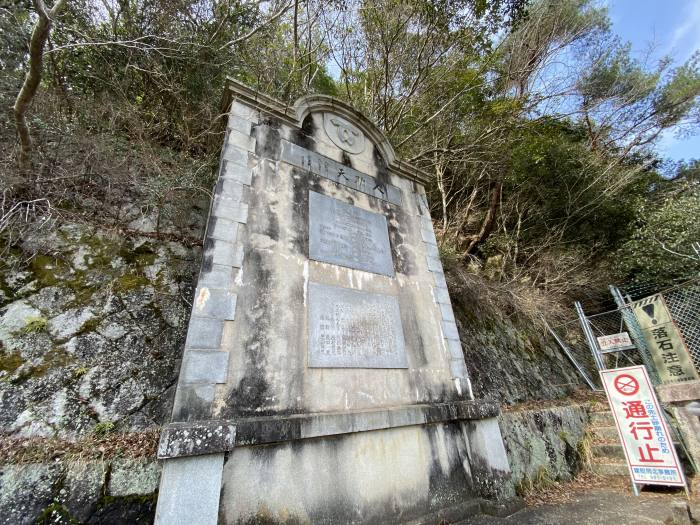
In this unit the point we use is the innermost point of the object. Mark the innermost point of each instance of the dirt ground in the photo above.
(595, 501)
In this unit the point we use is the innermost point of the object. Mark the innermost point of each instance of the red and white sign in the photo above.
(651, 456)
(614, 341)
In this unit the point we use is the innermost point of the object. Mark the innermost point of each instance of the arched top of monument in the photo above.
(350, 118)
(346, 127)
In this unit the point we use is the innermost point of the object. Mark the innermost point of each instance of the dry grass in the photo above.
(521, 300)
(582, 396)
(563, 492)
(113, 445)
(89, 170)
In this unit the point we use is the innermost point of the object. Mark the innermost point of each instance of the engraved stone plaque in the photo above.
(354, 329)
(343, 234)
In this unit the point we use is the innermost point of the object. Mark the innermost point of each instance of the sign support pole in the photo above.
(635, 489)
(635, 332)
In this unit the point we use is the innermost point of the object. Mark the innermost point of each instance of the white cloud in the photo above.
(689, 27)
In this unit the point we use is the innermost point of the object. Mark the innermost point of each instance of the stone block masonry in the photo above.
(452, 344)
(88, 491)
(544, 442)
(205, 361)
(190, 486)
(323, 379)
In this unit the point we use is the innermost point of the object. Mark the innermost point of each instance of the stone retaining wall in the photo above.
(544, 444)
(106, 492)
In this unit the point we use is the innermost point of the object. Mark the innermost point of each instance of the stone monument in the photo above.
(323, 379)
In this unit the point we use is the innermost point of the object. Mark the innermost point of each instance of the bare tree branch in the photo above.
(285, 7)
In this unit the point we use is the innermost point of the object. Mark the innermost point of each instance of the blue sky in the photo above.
(670, 27)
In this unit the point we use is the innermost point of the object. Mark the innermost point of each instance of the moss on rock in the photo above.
(49, 271)
(35, 324)
(10, 361)
(129, 282)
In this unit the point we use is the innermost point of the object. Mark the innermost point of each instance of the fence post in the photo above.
(635, 331)
(592, 342)
(571, 357)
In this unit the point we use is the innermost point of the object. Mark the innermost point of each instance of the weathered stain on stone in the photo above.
(417, 484)
(399, 222)
(193, 403)
(208, 254)
(382, 171)
(251, 395)
(449, 480)
(302, 182)
(273, 226)
(304, 136)
(271, 429)
(267, 135)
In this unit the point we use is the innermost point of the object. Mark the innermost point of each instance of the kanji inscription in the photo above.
(343, 234)
(354, 329)
(664, 340)
(339, 173)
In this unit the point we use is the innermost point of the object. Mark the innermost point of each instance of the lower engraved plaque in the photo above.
(354, 329)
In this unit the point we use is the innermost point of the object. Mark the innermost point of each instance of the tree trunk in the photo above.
(489, 220)
(26, 94)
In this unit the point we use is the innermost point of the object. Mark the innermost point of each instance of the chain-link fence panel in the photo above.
(586, 338)
(684, 305)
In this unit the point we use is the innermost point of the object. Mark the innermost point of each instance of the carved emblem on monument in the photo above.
(344, 134)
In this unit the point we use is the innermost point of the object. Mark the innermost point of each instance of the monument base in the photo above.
(323, 378)
(394, 465)
(396, 475)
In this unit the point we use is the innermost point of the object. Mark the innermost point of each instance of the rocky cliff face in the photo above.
(91, 331)
(92, 324)
(510, 358)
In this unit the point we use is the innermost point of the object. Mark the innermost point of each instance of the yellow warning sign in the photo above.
(664, 340)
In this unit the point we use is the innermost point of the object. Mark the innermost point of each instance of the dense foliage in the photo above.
(537, 123)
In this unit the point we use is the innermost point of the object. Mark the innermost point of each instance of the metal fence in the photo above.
(610, 323)
(580, 337)
(684, 304)
(573, 342)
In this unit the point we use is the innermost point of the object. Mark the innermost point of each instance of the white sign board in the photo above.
(613, 341)
(649, 450)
